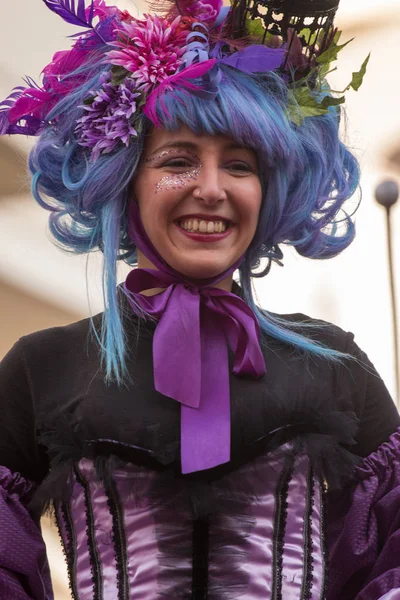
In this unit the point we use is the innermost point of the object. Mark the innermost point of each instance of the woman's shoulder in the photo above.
(50, 353)
(61, 337)
(318, 330)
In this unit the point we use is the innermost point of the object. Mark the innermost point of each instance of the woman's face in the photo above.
(199, 198)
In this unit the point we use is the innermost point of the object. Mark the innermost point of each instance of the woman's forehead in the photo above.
(184, 137)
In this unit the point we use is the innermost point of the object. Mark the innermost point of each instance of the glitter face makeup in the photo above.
(178, 181)
(175, 181)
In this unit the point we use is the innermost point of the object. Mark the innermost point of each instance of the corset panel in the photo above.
(129, 537)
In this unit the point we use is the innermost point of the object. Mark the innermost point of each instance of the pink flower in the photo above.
(101, 10)
(150, 50)
(204, 12)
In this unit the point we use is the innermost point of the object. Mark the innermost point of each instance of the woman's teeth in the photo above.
(193, 225)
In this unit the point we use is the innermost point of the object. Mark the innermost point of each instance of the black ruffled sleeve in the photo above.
(19, 450)
(24, 572)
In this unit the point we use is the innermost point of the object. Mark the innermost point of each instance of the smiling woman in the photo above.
(193, 444)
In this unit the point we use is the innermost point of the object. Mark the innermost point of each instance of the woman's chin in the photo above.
(199, 270)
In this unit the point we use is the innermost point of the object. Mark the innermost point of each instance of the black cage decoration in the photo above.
(312, 20)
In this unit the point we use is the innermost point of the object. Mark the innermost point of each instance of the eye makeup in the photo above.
(166, 153)
(177, 181)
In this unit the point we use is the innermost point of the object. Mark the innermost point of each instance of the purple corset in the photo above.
(131, 535)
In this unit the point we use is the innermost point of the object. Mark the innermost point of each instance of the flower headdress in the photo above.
(182, 47)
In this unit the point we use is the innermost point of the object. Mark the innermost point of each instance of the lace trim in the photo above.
(308, 541)
(118, 538)
(281, 503)
(68, 545)
(324, 540)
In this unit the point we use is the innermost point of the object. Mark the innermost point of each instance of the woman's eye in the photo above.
(241, 167)
(178, 163)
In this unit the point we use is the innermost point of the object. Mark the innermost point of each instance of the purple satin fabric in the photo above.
(195, 323)
(24, 571)
(293, 542)
(103, 530)
(253, 490)
(364, 529)
(392, 595)
(158, 529)
(140, 533)
(78, 511)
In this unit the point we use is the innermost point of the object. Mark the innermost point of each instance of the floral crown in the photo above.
(182, 47)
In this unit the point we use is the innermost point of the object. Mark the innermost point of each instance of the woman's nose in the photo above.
(210, 187)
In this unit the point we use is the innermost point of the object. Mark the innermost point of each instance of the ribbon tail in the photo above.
(206, 431)
(177, 349)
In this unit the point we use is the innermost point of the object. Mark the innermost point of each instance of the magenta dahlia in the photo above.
(150, 50)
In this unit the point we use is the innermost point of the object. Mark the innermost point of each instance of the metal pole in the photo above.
(386, 194)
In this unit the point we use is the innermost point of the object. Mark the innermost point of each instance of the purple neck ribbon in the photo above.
(190, 351)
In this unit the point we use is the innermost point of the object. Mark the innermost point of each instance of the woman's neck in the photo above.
(145, 263)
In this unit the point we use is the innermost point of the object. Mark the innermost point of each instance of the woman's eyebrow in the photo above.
(178, 145)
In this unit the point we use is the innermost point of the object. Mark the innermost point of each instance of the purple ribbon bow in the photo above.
(190, 353)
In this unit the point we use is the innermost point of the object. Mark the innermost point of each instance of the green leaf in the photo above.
(337, 36)
(356, 80)
(119, 74)
(255, 27)
(308, 105)
(294, 114)
(141, 101)
(324, 71)
(332, 101)
(331, 53)
(309, 37)
(358, 77)
(300, 83)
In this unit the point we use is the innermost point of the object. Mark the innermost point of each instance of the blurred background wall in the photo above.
(42, 287)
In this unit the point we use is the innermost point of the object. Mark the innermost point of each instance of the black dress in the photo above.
(307, 440)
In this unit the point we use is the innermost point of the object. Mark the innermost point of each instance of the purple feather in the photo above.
(256, 59)
(73, 11)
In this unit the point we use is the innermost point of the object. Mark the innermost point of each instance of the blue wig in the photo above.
(307, 174)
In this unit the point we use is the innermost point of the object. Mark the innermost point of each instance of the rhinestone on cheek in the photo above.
(178, 181)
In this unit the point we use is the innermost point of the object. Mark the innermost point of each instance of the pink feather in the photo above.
(64, 63)
(32, 102)
(178, 80)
